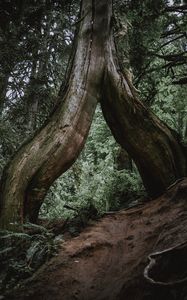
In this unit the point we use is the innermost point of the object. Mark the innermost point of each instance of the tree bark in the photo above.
(123, 160)
(94, 73)
(37, 164)
(3, 90)
(154, 147)
(135, 254)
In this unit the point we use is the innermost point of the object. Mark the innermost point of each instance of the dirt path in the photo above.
(107, 260)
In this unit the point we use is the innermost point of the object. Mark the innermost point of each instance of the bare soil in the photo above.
(107, 260)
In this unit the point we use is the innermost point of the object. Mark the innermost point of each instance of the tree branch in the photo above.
(177, 8)
(171, 57)
(180, 81)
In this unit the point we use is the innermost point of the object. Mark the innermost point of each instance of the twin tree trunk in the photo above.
(94, 76)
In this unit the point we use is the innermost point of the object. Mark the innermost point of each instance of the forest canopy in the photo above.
(93, 119)
(36, 42)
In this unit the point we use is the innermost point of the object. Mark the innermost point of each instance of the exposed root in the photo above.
(168, 267)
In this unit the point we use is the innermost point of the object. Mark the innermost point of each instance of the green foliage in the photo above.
(170, 105)
(21, 254)
(94, 178)
(35, 42)
(10, 141)
(156, 42)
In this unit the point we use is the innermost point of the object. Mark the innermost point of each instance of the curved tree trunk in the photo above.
(154, 147)
(53, 150)
(94, 72)
(134, 254)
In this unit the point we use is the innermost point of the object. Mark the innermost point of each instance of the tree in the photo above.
(94, 75)
(139, 253)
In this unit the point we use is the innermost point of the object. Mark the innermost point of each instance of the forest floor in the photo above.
(107, 260)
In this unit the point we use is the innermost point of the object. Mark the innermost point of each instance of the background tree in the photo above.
(35, 46)
(130, 121)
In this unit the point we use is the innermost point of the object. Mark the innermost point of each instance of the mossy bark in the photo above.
(154, 147)
(56, 146)
(94, 76)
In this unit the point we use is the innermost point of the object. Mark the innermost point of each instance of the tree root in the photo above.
(168, 267)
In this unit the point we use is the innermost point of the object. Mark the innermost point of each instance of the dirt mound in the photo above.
(108, 259)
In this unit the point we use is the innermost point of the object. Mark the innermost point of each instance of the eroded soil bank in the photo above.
(108, 259)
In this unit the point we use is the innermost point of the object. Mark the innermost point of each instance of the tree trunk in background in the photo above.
(31, 99)
(38, 78)
(123, 160)
(94, 72)
(185, 133)
(3, 89)
(8, 40)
